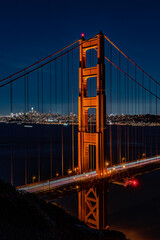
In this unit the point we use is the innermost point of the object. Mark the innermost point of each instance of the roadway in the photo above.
(69, 180)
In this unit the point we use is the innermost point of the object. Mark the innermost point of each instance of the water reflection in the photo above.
(92, 206)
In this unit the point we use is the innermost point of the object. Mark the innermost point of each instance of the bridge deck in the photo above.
(111, 171)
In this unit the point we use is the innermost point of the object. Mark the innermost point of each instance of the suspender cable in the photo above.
(128, 157)
(11, 98)
(27, 95)
(39, 178)
(42, 87)
(72, 121)
(68, 82)
(156, 122)
(144, 98)
(70, 163)
(25, 140)
(119, 78)
(135, 93)
(38, 149)
(135, 114)
(62, 112)
(50, 86)
(150, 130)
(26, 159)
(43, 145)
(55, 76)
(132, 143)
(110, 127)
(128, 101)
(150, 98)
(156, 103)
(143, 112)
(117, 93)
(117, 114)
(143, 93)
(125, 127)
(11, 152)
(51, 151)
(120, 138)
(139, 128)
(50, 69)
(127, 87)
(55, 87)
(110, 79)
(38, 89)
(42, 151)
(125, 95)
(138, 101)
(135, 142)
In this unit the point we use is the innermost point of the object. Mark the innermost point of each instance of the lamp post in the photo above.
(33, 179)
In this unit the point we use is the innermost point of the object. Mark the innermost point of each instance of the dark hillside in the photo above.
(24, 216)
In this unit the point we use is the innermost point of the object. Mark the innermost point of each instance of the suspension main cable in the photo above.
(34, 64)
(40, 66)
(62, 54)
(132, 78)
(131, 60)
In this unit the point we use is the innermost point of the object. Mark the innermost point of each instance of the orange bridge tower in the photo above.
(91, 202)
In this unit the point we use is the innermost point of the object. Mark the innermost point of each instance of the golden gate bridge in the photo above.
(85, 85)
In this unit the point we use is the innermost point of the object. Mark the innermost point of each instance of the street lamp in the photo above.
(143, 155)
(33, 179)
(107, 163)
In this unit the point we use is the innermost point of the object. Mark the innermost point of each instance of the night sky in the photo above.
(31, 30)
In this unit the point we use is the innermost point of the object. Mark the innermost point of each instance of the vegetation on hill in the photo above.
(25, 216)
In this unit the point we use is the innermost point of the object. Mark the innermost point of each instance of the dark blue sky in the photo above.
(31, 30)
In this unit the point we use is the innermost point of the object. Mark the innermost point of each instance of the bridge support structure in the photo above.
(92, 208)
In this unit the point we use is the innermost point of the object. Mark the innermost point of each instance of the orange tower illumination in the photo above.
(92, 205)
(98, 102)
